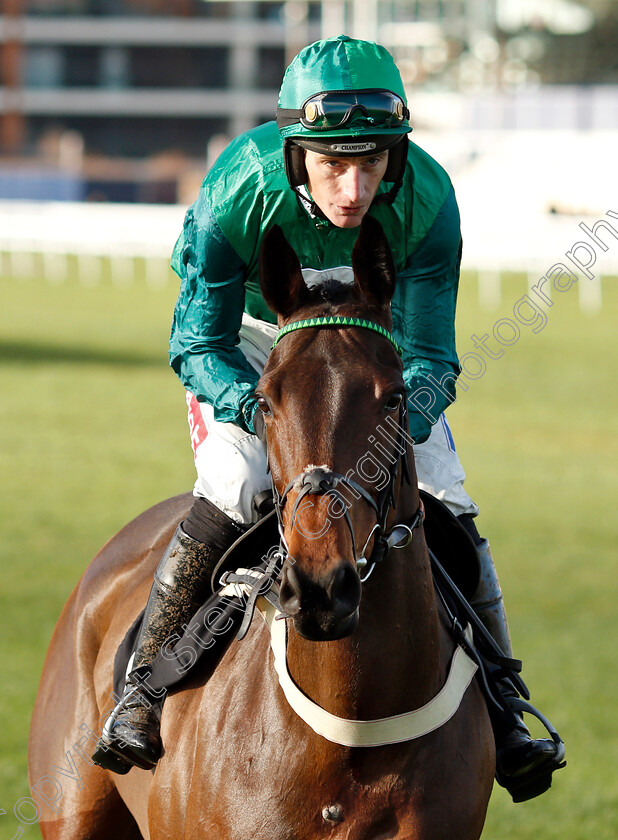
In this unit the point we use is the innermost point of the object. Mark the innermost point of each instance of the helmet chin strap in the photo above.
(307, 201)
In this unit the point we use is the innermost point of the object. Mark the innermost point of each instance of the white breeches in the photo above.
(231, 463)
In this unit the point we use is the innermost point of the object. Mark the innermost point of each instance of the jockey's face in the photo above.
(344, 187)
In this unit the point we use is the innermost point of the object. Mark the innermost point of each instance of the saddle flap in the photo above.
(249, 549)
(452, 544)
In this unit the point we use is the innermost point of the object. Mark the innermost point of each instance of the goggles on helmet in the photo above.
(335, 109)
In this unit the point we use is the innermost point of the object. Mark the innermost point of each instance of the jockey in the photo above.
(339, 149)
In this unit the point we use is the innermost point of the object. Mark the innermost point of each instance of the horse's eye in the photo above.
(263, 405)
(394, 401)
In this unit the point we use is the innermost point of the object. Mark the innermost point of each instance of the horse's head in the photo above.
(334, 408)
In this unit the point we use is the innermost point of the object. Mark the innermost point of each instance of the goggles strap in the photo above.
(289, 116)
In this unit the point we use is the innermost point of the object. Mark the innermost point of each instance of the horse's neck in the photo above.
(392, 662)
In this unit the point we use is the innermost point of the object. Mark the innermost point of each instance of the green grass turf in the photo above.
(537, 435)
(92, 432)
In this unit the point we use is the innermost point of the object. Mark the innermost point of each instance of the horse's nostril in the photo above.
(337, 592)
(337, 582)
(289, 594)
(344, 588)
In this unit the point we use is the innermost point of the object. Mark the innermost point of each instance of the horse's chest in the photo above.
(285, 784)
(240, 764)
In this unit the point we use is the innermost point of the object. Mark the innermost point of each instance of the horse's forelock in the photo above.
(333, 291)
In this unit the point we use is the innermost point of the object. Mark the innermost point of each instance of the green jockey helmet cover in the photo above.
(341, 97)
(344, 66)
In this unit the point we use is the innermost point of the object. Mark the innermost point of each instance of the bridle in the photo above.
(325, 482)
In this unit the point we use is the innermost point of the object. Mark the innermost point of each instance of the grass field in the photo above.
(92, 431)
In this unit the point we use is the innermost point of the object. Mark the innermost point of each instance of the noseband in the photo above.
(322, 481)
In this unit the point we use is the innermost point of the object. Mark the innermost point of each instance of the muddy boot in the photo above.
(524, 765)
(181, 585)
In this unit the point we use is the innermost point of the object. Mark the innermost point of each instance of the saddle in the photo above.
(207, 637)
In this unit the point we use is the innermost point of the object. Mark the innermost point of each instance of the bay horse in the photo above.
(239, 762)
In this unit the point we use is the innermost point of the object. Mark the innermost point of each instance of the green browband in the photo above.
(336, 321)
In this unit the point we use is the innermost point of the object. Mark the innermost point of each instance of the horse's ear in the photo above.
(281, 278)
(372, 261)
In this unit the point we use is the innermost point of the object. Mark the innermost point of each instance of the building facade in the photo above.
(119, 99)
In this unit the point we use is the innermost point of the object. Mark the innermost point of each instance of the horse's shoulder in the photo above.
(139, 543)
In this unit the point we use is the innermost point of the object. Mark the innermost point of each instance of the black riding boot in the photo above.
(524, 765)
(181, 585)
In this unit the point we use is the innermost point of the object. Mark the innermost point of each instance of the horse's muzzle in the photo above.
(323, 609)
